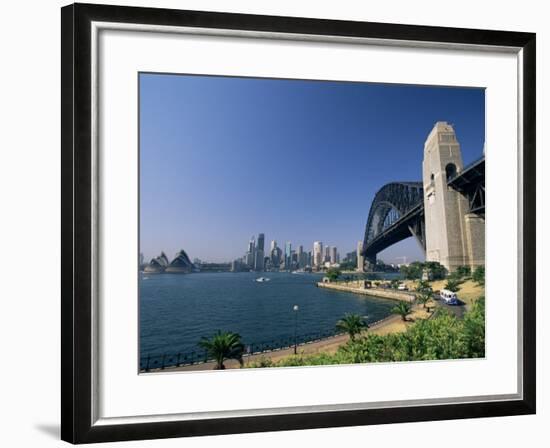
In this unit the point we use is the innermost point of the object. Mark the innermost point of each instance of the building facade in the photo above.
(317, 253)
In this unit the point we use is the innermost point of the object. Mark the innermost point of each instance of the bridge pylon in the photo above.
(453, 235)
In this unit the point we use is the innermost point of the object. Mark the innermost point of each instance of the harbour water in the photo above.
(176, 311)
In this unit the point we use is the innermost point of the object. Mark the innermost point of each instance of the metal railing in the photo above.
(181, 359)
(166, 360)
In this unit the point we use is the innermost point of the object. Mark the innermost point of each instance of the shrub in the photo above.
(479, 275)
(442, 337)
(333, 274)
(463, 271)
(452, 284)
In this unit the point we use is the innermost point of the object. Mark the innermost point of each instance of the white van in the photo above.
(448, 297)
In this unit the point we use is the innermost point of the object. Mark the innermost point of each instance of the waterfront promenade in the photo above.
(357, 287)
(391, 324)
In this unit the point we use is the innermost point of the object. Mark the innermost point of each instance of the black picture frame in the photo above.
(76, 219)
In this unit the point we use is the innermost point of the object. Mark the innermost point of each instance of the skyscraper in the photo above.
(273, 245)
(261, 238)
(327, 254)
(259, 258)
(251, 253)
(288, 255)
(333, 255)
(317, 253)
(276, 255)
(302, 257)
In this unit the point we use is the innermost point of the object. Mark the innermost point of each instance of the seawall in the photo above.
(376, 292)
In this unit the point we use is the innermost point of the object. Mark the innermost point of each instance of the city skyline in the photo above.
(251, 246)
(301, 160)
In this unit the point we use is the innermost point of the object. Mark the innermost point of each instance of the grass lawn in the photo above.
(468, 290)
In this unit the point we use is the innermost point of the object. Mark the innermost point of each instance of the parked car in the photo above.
(402, 287)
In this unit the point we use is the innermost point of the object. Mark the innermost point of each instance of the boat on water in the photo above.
(262, 279)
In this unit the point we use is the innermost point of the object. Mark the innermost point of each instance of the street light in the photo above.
(295, 308)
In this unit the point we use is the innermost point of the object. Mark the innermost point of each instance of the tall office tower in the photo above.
(273, 245)
(276, 255)
(260, 245)
(317, 253)
(327, 254)
(293, 260)
(360, 258)
(251, 253)
(333, 255)
(288, 255)
(259, 255)
(309, 259)
(259, 260)
(302, 257)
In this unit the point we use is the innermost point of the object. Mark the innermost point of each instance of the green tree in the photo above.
(463, 271)
(333, 274)
(352, 324)
(403, 309)
(424, 297)
(452, 285)
(437, 270)
(394, 283)
(422, 286)
(479, 275)
(222, 346)
(348, 265)
(474, 330)
(442, 337)
(413, 271)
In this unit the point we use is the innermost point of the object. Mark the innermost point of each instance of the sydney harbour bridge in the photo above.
(445, 212)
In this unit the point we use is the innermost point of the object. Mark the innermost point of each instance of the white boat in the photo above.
(262, 279)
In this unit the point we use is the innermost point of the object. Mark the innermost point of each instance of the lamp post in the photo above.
(295, 308)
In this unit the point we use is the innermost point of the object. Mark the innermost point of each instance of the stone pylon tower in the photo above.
(447, 236)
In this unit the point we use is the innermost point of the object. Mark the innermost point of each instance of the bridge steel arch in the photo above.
(396, 213)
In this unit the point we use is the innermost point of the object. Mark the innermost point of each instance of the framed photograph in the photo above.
(275, 223)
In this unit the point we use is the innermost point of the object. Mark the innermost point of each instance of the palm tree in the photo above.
(422, 286)
(424, 297)
(403, 309)
(352, 324)
(452, 285)
(222, 346)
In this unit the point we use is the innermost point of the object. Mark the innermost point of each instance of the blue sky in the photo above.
(222, 159)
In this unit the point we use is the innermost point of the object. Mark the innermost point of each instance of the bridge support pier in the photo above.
(454, 236)
(370, 263)
(475, 239)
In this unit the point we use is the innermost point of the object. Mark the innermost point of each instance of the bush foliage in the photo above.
(414, 270)
(442, 337)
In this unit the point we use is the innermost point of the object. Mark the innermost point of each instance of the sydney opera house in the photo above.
(179, 265)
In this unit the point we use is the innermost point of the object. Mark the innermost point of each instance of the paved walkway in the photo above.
(328, 345)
